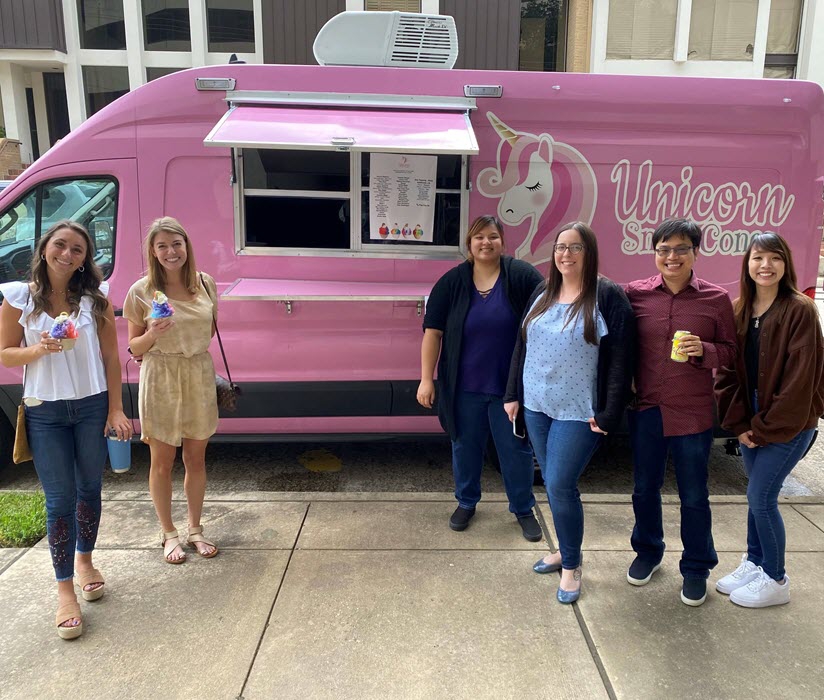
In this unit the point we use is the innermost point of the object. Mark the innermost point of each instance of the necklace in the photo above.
(484, 292)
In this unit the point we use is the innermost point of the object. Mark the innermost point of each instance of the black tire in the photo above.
(6, 442)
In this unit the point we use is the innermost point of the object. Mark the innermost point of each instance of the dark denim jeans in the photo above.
(563, 448)
(690, 454)
(475, 416)
(767, 467)
(69, 450)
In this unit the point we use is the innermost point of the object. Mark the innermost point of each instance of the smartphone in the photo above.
(519, 431)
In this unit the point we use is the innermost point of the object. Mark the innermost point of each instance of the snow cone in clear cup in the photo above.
(161, 308)
(63, 330)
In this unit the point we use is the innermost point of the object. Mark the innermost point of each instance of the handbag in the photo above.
(22, 451)
(227, 391)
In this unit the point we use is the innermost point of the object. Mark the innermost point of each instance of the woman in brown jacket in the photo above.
(771, 399)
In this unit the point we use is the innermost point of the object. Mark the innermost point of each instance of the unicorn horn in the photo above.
(503, 130)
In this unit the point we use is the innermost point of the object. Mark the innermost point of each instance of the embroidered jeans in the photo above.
(69, 449)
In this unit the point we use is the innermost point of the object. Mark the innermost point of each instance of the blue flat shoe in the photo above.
(567, 597)
(540, 567)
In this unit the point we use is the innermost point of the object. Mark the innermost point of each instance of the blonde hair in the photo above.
(155, 273)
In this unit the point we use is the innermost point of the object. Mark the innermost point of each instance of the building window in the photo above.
(392, 5)
(543, 35)
(103, 85)
(722, 30)
(166, 25)
(782, 39)
(231, 25)
(155, 73)
(641, 29)
(101, 24)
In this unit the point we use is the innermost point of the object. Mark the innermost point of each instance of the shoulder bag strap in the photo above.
(217, 332)
(28, 299)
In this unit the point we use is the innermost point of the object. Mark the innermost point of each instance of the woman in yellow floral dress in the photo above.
(178, 402)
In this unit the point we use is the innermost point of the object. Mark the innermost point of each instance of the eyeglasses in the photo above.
(680, 251)
(562, 248)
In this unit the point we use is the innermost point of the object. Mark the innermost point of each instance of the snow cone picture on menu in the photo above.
(161, 308)
(63, 329)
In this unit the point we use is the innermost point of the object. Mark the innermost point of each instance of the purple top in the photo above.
(489, 334)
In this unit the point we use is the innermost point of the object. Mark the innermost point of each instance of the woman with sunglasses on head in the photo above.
(471, 323)
(771, 399)
(72, 397)
(571, 375)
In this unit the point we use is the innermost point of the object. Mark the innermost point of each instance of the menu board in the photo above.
(401, 197)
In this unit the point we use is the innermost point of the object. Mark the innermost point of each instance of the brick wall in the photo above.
(10, 164)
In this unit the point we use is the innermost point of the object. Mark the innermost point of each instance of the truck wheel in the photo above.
(6, 442)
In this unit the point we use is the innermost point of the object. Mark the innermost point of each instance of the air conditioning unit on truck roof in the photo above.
(398, 39)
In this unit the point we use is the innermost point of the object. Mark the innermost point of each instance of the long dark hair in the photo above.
(769, 242)
(84, 282)
(587, 299)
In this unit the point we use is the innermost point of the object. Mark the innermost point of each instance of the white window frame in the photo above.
(679, 65)
(357, 248)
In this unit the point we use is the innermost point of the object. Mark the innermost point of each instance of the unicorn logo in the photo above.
(540, 179)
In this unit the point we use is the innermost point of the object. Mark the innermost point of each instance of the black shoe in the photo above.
(694, 591)
(530, 527)
(641, 571)
(460, 518)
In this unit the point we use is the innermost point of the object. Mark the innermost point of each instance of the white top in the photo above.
(561, 368)
(71, 374)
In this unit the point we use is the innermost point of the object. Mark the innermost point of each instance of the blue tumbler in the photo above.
(120, 453)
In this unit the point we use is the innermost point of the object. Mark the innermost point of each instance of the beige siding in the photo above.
(488, 32)
(289, 28)
(579, 33)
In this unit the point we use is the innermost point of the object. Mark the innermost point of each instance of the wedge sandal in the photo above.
(66, 612)
(85, 578)
(196, 535)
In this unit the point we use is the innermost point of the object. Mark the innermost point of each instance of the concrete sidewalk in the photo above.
(372, 596)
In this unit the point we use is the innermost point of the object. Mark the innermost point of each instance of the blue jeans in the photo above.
(563, 448)
(690, 454)
(475, 416)
(69, 450)
(767, 467)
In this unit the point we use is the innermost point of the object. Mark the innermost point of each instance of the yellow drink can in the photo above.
(676, 353)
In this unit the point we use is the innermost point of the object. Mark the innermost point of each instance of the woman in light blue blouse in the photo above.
(572, 373)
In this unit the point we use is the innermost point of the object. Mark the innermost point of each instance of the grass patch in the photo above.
(22, 518)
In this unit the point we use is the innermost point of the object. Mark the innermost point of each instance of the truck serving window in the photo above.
(312, 169)
(313, 200)
(91, 202)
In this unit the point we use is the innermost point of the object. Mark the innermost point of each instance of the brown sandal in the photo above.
(85, 578)
(166, 537)
(66, 612)
(196, 535)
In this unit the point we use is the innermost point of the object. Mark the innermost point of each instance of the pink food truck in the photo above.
(326, 200)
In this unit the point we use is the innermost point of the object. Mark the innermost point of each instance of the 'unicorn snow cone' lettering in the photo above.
(63, 329)
(161, 308)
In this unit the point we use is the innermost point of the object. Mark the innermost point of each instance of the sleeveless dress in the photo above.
(177, 397)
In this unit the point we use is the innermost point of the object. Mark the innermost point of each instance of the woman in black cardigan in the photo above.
(472, 321)
(571, 373)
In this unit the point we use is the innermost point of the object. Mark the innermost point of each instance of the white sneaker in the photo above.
(762, 592)
(745, 573)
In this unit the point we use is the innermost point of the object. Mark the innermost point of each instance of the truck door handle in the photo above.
(118, 311)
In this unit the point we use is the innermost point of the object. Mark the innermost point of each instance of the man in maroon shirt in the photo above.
(675, 409)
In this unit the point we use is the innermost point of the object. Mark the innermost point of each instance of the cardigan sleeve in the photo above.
(438, 303)
(789, 409)
(733, 406)
(515, 383)
(621, 339)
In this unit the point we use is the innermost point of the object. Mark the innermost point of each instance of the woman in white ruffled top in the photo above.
(72, 399)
